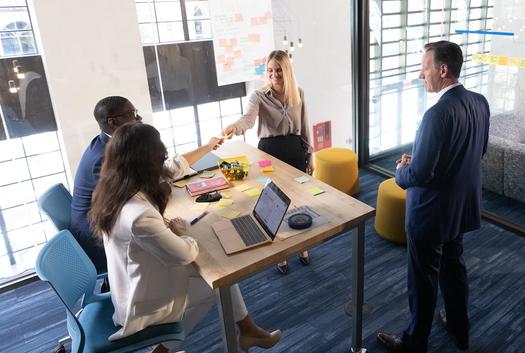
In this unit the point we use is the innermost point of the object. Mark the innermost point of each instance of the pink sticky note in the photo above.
(265, 163)
(223, 42)
(239, 18)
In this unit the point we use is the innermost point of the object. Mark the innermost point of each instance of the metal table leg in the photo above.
(224, 305)
(358, 252)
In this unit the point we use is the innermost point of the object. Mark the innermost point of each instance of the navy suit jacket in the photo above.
(86, 180)
(443, 179)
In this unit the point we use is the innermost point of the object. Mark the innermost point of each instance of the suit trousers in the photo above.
(200, 300)
(430, 264)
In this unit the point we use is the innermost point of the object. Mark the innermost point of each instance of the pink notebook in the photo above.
(203, 186)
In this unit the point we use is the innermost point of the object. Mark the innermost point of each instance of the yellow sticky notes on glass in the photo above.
(200, 205)
(224, 203)
(242, 187)
(228, 213)
(253, 192)
(267, 169)
(180, 184)
(315, 191)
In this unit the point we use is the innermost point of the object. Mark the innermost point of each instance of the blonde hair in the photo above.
(291, 91)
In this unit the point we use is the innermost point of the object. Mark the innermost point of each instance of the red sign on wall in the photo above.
(322, 135)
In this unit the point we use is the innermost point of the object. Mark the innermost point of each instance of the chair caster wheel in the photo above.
(60, 349)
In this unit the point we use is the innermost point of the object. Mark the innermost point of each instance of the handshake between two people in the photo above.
(403, 161)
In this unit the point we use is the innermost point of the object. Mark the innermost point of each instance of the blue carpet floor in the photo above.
(307, 303)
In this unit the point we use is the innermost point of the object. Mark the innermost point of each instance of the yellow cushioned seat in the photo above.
(337, 167)
(390, 212)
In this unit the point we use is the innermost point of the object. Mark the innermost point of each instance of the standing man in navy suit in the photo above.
(443, 183)
(110, 113)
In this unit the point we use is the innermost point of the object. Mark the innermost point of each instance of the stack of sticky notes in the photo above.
(253, 192)
(242, 187)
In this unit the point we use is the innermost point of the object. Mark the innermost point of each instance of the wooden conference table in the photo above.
(220, 271)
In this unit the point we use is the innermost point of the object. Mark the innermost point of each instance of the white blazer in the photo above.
(146, 268)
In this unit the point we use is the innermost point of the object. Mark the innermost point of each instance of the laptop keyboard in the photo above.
(248, 230)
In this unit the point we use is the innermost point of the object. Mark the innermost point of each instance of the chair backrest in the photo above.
(56, 203)
(67, 268)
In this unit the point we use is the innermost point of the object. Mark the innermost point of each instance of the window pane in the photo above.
(230, 107)
(44, 183)
(45, 164)
(186, 148)
(11, 149)
(199, 29)
(182, 116)
(27, 237)
(145, 12)
(209, 111)
(391, 6)
(197, 10)
(166, 135)
(184, 134)
(21, 216)
(171, 31)
(210, 128)
(40, 143)
(17, 194)
(161, 120)
(168, 11)
(148, 33)
(13, 171)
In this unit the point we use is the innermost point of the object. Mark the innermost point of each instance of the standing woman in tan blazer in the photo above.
(149, 257)
(283, 129)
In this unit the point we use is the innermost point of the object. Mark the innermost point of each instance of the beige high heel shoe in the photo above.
(247, 342)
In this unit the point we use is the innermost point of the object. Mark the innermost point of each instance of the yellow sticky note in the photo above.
(224, 203)
(242, 187)
(522, 63)
(200, 205)
(315, 191)
(180, 184)
(253, 192)
(228, 213)
(268, 169)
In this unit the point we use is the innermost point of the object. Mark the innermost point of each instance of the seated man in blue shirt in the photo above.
(110, 113)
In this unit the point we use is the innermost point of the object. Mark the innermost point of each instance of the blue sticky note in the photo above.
(262, 179)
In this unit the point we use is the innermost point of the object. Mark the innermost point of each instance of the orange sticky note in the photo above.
(267, 169)
(223, 42)
(254, 38)
(238, 17)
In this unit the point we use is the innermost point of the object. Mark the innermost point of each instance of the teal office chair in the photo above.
(69, 271)
(56, 203)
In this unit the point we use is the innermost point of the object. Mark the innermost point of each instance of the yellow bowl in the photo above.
(234, 168)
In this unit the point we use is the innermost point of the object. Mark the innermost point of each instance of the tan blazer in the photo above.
(146, 268)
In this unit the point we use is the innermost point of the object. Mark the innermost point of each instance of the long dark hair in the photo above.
(133, 162)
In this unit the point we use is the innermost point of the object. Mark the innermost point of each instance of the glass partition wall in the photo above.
(492, 38)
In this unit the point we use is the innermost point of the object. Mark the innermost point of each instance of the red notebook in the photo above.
(203, 186)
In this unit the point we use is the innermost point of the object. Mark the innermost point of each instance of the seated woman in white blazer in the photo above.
(151, 279)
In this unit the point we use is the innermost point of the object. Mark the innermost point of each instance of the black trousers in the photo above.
(288, 149)
(428, 265)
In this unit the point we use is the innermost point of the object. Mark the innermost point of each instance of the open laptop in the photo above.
(208, 162)
(258, 228)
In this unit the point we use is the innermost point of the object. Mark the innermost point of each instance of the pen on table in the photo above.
(195, 220)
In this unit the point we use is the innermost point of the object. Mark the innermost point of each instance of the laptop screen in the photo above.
(271, 208)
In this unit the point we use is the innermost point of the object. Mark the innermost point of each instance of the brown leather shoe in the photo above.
(392, 343)
(461, 344)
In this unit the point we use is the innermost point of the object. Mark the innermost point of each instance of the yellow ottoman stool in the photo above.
(390, 212)
(337, 167)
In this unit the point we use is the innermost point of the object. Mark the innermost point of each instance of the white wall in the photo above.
(91, 49)
(322, 65)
